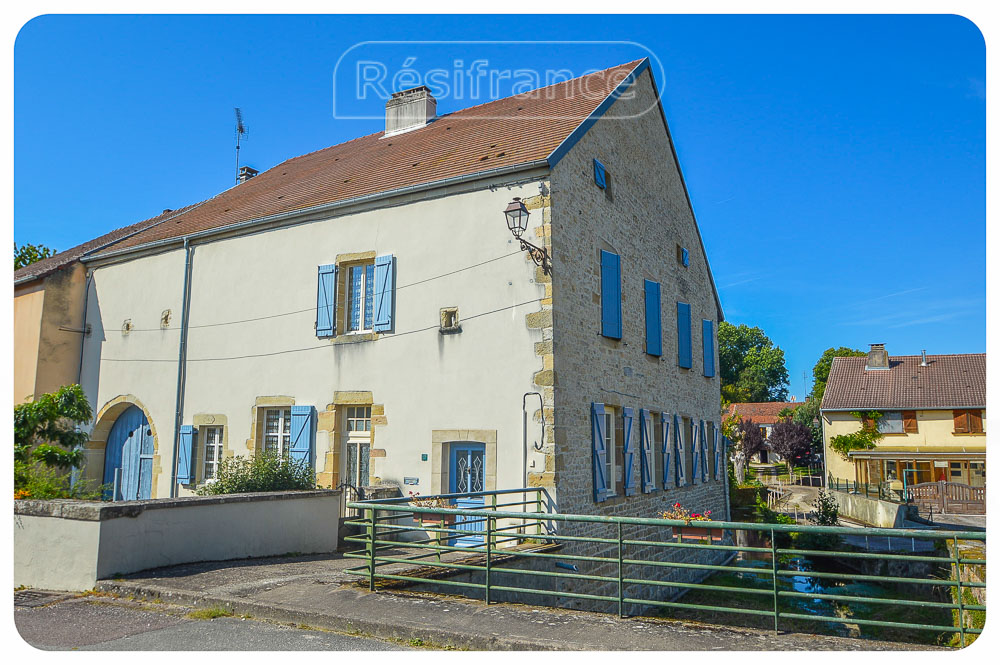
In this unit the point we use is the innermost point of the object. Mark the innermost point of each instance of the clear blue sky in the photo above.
(836, 164)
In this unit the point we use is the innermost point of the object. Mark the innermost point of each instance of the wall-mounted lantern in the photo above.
(517, 221)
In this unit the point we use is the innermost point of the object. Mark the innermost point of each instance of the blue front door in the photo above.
(128, 457)
(467, 473)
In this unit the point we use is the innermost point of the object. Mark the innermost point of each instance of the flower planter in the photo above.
(433, 519)
(699, 533)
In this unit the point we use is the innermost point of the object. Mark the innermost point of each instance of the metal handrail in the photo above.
(384, 519)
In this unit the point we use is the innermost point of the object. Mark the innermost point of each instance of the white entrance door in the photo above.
(357, 440)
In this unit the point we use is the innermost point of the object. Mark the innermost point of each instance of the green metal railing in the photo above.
(517, 531)
(870, 490)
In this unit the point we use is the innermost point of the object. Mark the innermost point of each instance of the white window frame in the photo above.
(365, 301)
(610, 452)
(216, 447)
(284, 433)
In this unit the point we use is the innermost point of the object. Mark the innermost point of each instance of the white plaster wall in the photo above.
(218, 532)
(54, 553)
(427, 381)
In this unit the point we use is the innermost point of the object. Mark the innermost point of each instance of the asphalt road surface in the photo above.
(103, 624)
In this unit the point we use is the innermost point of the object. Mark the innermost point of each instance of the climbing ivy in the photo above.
(864, 439)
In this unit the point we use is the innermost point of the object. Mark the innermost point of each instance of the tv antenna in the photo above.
(241, 132)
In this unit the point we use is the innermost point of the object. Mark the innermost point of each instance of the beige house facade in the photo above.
(366, 309)
(930, 409)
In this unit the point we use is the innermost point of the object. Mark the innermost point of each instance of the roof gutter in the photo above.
(293, 215)
(903, 408)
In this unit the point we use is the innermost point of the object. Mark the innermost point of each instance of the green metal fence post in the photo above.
(774, 578)
(621, 576)
(371, 549)
(538, 509)
(961, 601)
(490, 525)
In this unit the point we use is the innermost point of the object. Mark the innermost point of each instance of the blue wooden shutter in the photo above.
(665, 451)
(695, 454)
(611, 295)
(599, 174)
(654, 328)
(680, 477)
(326, 301)
(185, 456)
(303, 437)
(600, 454)
(684, 334)
(685, 257)
(628, 478)
(384, 288)
(703, 452)
(718, 455)
(708, 346)
(646, 464)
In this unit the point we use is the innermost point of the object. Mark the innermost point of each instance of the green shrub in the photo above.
(264, 472)
(40, 481)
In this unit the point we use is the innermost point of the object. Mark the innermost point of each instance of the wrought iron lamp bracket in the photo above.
(538, 255)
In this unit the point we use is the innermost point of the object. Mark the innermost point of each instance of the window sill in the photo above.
(354, 338)
(968, 433)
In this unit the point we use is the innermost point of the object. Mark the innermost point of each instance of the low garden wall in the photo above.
(884, 514)
(69, 545)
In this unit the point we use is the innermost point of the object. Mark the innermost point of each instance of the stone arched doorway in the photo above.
(121, 453)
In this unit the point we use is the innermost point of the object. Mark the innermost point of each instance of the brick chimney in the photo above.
(409, 109)
(878, 357)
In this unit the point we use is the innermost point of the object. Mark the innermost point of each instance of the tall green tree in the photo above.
(821, 370)
(48, 442)
(751, 367)
(27, 254)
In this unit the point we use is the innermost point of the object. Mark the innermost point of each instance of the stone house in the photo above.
(365, 308)
(931, 410)
(764, 415)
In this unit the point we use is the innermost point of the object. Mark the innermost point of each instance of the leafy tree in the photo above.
(864, 439)
(821, 370)
(806, 414)
(48, 442)
(825, 509)
(791, 440)
(751, 439)
(751, 367)
(27, 254)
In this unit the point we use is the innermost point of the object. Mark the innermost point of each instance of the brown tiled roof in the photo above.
(762, 413)
(949, 381)
(49, 265)
(507, 132)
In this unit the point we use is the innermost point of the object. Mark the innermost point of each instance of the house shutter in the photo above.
(303, 439)
(695, 454)
(703, 452)
(600, 454)
(680, 477)
(961, 422)
(654, 327)
(384, 288)
(718, 454)
(910, 422)
(684, 334)
(665, 451)
(599, 174)
(975, 421)
(326, 301)
(646, 463)
(611, 295)
(628, 449)
(185, 456)
(708, 346)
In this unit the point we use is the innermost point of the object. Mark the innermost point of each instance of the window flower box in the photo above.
(699, 533)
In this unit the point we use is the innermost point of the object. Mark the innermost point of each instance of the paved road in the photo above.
(108, 625)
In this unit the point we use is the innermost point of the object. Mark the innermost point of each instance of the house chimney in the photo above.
(878, 357)
(246, 173)
(923, 357)
(409, 109)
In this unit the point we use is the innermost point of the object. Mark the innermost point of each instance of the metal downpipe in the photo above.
(181, 362)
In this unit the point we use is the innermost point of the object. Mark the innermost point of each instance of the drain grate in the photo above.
(37, 598)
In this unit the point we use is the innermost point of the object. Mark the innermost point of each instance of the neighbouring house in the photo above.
(49, 308)
(365, 308)
(930, 408)
(764, 415)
